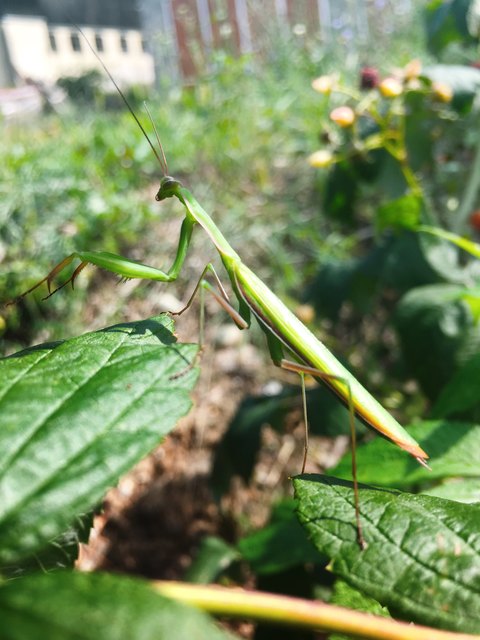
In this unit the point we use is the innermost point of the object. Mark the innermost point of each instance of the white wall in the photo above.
(31, 54)
(27, 43)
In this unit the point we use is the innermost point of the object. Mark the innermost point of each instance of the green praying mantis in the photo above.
(285, 333)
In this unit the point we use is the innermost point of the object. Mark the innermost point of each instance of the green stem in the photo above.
(285, 610)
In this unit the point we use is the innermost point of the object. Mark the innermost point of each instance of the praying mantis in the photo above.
(285, 333)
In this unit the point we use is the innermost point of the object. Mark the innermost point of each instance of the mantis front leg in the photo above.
(116, 264)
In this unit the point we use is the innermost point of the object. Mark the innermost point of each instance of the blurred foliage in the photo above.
(393, 159)
(452, 22)
(84, 88)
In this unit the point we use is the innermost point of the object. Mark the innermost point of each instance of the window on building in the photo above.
(53, 41)
(123, 43)
(144, 46)
(75, 41)
(98, 42)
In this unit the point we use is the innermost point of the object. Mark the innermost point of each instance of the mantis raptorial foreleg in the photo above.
(117, 264)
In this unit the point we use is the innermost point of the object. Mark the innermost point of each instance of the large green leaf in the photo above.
(446, 23)
(459, 489)
(437, 330)
(461, 392)
(398, 262)
(75, 415)
(453, 448)
(422, 559)
(63, 605)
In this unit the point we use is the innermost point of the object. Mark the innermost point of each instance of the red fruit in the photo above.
(475, 220)
(369, 78)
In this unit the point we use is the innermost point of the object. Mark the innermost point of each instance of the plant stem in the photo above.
(285, 610)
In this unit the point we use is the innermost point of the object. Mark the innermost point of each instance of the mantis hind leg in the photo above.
(220, 296)
(303, 370)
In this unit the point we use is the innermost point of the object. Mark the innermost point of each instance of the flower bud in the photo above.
(321, 159)
(323, 84)
(343, 116)
(442, 92)
(390, 88)
(412, 69)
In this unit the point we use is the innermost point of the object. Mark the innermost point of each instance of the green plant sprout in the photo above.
(283, 330)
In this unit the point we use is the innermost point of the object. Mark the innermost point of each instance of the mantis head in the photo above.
(168, 188)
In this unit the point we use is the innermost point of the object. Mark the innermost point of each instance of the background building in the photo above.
(39, 42)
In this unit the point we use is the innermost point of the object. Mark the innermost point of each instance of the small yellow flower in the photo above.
(323, 84)
(412, 69)
(343, 116)
(442, 92)
(390, 88)
(321, 159)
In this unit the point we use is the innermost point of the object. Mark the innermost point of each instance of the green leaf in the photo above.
(399, 262)
(243, 435)
(340, 192)
(437, 330)
(63, 605)
(452, 446)
(446, 22)
(78, 414)
(423, 555)
(464, 243)
(461, 392)
(443, 258)
(279, 546)
(213, 558)
(402, 212)
(458, 489)
(346, 596)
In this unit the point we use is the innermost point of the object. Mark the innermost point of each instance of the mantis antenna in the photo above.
(161, 159)
(165, 166)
